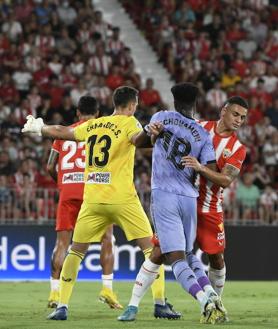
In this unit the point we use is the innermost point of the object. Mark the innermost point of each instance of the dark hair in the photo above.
(237, 100)
(124, 95)
(88, 105)
(185, 95)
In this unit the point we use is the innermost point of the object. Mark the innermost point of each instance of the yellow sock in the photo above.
(69, 274)
(158, 287)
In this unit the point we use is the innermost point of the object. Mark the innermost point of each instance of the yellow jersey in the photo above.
(109, 158)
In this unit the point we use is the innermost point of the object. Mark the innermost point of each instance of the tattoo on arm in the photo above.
(231, 171)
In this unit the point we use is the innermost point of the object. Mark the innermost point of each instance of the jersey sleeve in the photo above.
(56, 146)
(207, 154)
(133, 127)
(237, 158)
(80, 132)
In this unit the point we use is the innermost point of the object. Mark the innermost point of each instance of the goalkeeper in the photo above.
(109, 193)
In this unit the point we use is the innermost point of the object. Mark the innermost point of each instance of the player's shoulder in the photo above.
(207, 124)
(78, 123)
(160, 115)
(237, 145)
(202, 126)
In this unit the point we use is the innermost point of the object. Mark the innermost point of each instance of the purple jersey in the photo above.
(182, 136)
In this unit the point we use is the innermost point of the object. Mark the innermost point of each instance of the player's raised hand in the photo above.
(155, 128)
(191, 162)
(33, 125)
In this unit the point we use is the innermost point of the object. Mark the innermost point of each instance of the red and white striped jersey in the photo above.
(71, 165)
(228, 150)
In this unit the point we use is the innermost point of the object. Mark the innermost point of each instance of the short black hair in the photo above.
(237, 100)
(87, 105)
(124, 95)
(185, 95)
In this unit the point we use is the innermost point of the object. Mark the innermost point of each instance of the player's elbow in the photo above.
(50, 169)
(226, 182)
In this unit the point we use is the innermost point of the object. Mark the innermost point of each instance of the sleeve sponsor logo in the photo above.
(99, 178)
(73, 178)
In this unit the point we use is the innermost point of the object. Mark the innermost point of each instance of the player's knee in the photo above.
(156, 256)
(216, 261)
(172, 257)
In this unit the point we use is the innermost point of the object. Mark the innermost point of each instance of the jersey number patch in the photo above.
(67, 161)
(176, 148)
(104, 143)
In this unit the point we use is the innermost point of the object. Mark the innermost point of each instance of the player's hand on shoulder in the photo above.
(33, 125)
(191, 162)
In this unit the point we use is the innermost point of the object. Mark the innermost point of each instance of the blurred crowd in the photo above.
(53, 52)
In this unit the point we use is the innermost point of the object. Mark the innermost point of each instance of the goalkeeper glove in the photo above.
(33, 125)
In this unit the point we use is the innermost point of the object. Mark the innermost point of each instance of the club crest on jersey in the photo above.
(99, 178)
(227, 153)
(71, 178)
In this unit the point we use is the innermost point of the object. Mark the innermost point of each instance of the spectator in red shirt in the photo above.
(260, 93)
(254, 114)
(240, 65)
(8, 92)
(150, 96)
(4, 43)
(115, 79)
(235, 34)
(56, 92)
(42, 77)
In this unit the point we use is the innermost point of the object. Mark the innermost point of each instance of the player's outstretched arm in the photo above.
(58, 132)
(37, 126)
(223, 178)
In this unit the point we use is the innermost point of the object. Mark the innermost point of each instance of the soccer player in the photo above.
(174, 204)
(69, 159)
(230, 154)
(109, 193)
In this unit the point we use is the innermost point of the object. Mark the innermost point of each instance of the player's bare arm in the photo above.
(51, 164)
(58, 132)
(141, 140)
(37, 126)
(223, 178)
(147, 137)
(155, 129)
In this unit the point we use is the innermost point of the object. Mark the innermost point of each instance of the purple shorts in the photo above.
(175, 220)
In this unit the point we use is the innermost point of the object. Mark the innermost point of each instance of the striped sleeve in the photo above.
(238, 155)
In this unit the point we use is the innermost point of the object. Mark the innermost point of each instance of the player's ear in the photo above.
(223, 111)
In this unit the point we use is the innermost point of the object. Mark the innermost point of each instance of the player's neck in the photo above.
(86, 117)
(188, 114)
(222, 130)
(121, 111)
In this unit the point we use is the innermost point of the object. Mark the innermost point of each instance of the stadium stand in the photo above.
(53, 52)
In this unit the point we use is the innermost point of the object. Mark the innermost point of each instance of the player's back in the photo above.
(182, 136)
(109, 158)
(71, 165)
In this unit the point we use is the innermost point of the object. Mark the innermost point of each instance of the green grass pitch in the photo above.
(251, 305)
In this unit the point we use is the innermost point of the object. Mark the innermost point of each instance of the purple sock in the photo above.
(198, 269)
(186, 277)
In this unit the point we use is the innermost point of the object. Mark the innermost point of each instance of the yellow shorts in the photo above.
(94, 218)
